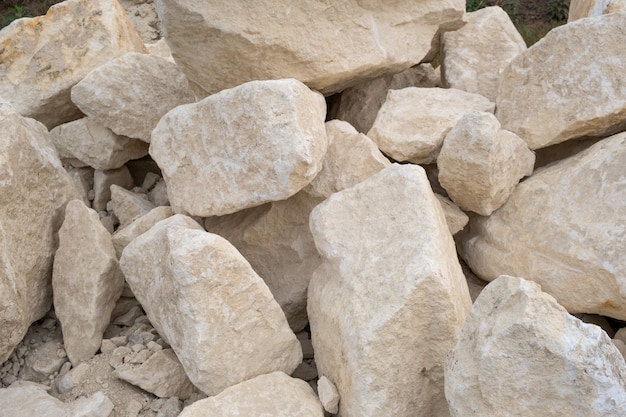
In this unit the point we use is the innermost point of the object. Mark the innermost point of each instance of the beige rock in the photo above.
(327, 46)
(575, 103)
(329, 396)
(234, 153)
(275, 394)
(579, 9)
(34, 189)
(95, 145)
(358, 314)
(160, 48)
(455, 218)
(521, 354)
(359, 104)
(102, 182)
(203, 297)
(620, 346)
(480, 164)
(473, 57)
(158, 195)
(413, 122)
(124, 235)
(128, 205)
(83, 182)
(562, 228)
(130, 94)
(42, 58)
(351, 158)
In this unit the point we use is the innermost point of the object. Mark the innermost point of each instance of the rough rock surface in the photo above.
(42, 58)
(207, 302)
(455, 218)
(579, 9)
(130, 94)
(564, 227)
(521, 354)
(379, 285)
(234, 153)
(329, 396)
(128, 205)
(328, 46)
(545, 97)
(102, 182)
(413, 122)
(124, 235)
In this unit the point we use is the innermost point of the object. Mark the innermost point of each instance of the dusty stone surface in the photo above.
(210, 168)
(455, 218)
(520, 353)
(412, 123)
(579, 9)
(577, 205)
(574, 103)
(142, 14)
(128, 205)
(161, 49)
(102, 182)
(366, 234)
(124, 235)
(42, 58)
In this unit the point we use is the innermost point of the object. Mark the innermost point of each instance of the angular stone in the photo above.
(377, 285)
(579, 9)
(563, 228)
(455, 218)
(86, 281)
(473, 57)
(34, 189)
(83, 182)
(327, 46)
(102, 182)
(575, 103)
(234, 153)
(203, 297)
(413, 122)
(480, 164)
(128, 205)
(95, 145)
(275, 394)
(329, 396)
(160, 48)
(522, 354)
(130, 94)
(124, 235)
(42, 363)
(42, 58)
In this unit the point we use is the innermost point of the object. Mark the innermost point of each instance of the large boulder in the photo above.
(328, 46)
(389, 300)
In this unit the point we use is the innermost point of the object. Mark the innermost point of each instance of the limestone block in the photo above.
(95, 145)
(124, 235)
(521, 354)
(128, 205)
(455, 218)
(234, 153)
(42, 58)
(328, 46)
(383, 299)
(130, 94)
(579, 9)
(413, 122)
(34, 189)
(275, 394)
(576, 73)
(564, 228)
(480, 164)
(205, 300)
(473, 57)
(102, 182)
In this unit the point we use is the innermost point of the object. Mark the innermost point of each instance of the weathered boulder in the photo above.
(564, 228)
(473, 57)
(128, 205)
(42, 58)
(102, 182)
(480, 164)
(34, 189)
(579, 9)
(275, 394)
(521, 354)
(546, 97)
(130, 94)
(124, 235)
(203, 297)
(234, 153)
(378, 285)
(413, 122)
(327, 46)
(86, 281)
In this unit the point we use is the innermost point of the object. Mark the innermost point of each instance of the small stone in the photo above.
(129, 318)
(119, 340)
(305, 372)
(137, 347)
(171, 408)
(118, 356)
(153, 346)
(128, 205)
(141, 356)
(107, 346)
(72, 378)
(328, 394)
(123, 236)
(455, 218)
(102, 185)
(307, 348)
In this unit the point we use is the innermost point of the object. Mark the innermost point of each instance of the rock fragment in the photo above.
(329, 396)
(455, 218)
(102, 182)
(124, 235)
(579, 9)
(128, 205)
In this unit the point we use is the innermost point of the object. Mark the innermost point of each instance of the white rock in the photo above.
(102, 182)
(579, 9)
(413, 122)
(522, 354)
(455, 218)
(234, 153)
(208, 303)
(128, 205)
(328, 394)
(42, 58)
(124, 235)
(383, 299)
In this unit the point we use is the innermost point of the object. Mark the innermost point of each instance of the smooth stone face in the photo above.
(563, 228)
(576, 73)
(521, 354)
(378, 285)
(328, 46)
(579, 9)
(130, 94)
(42, 58)
(124, 235)
(203, 297)
(413, 122)
(234, 153)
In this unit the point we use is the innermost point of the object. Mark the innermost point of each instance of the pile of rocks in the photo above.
(203, 233)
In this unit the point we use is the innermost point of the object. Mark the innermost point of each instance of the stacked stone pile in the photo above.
(286, 210)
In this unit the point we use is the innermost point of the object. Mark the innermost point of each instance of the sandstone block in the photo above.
(124, 235)
(579, 9)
